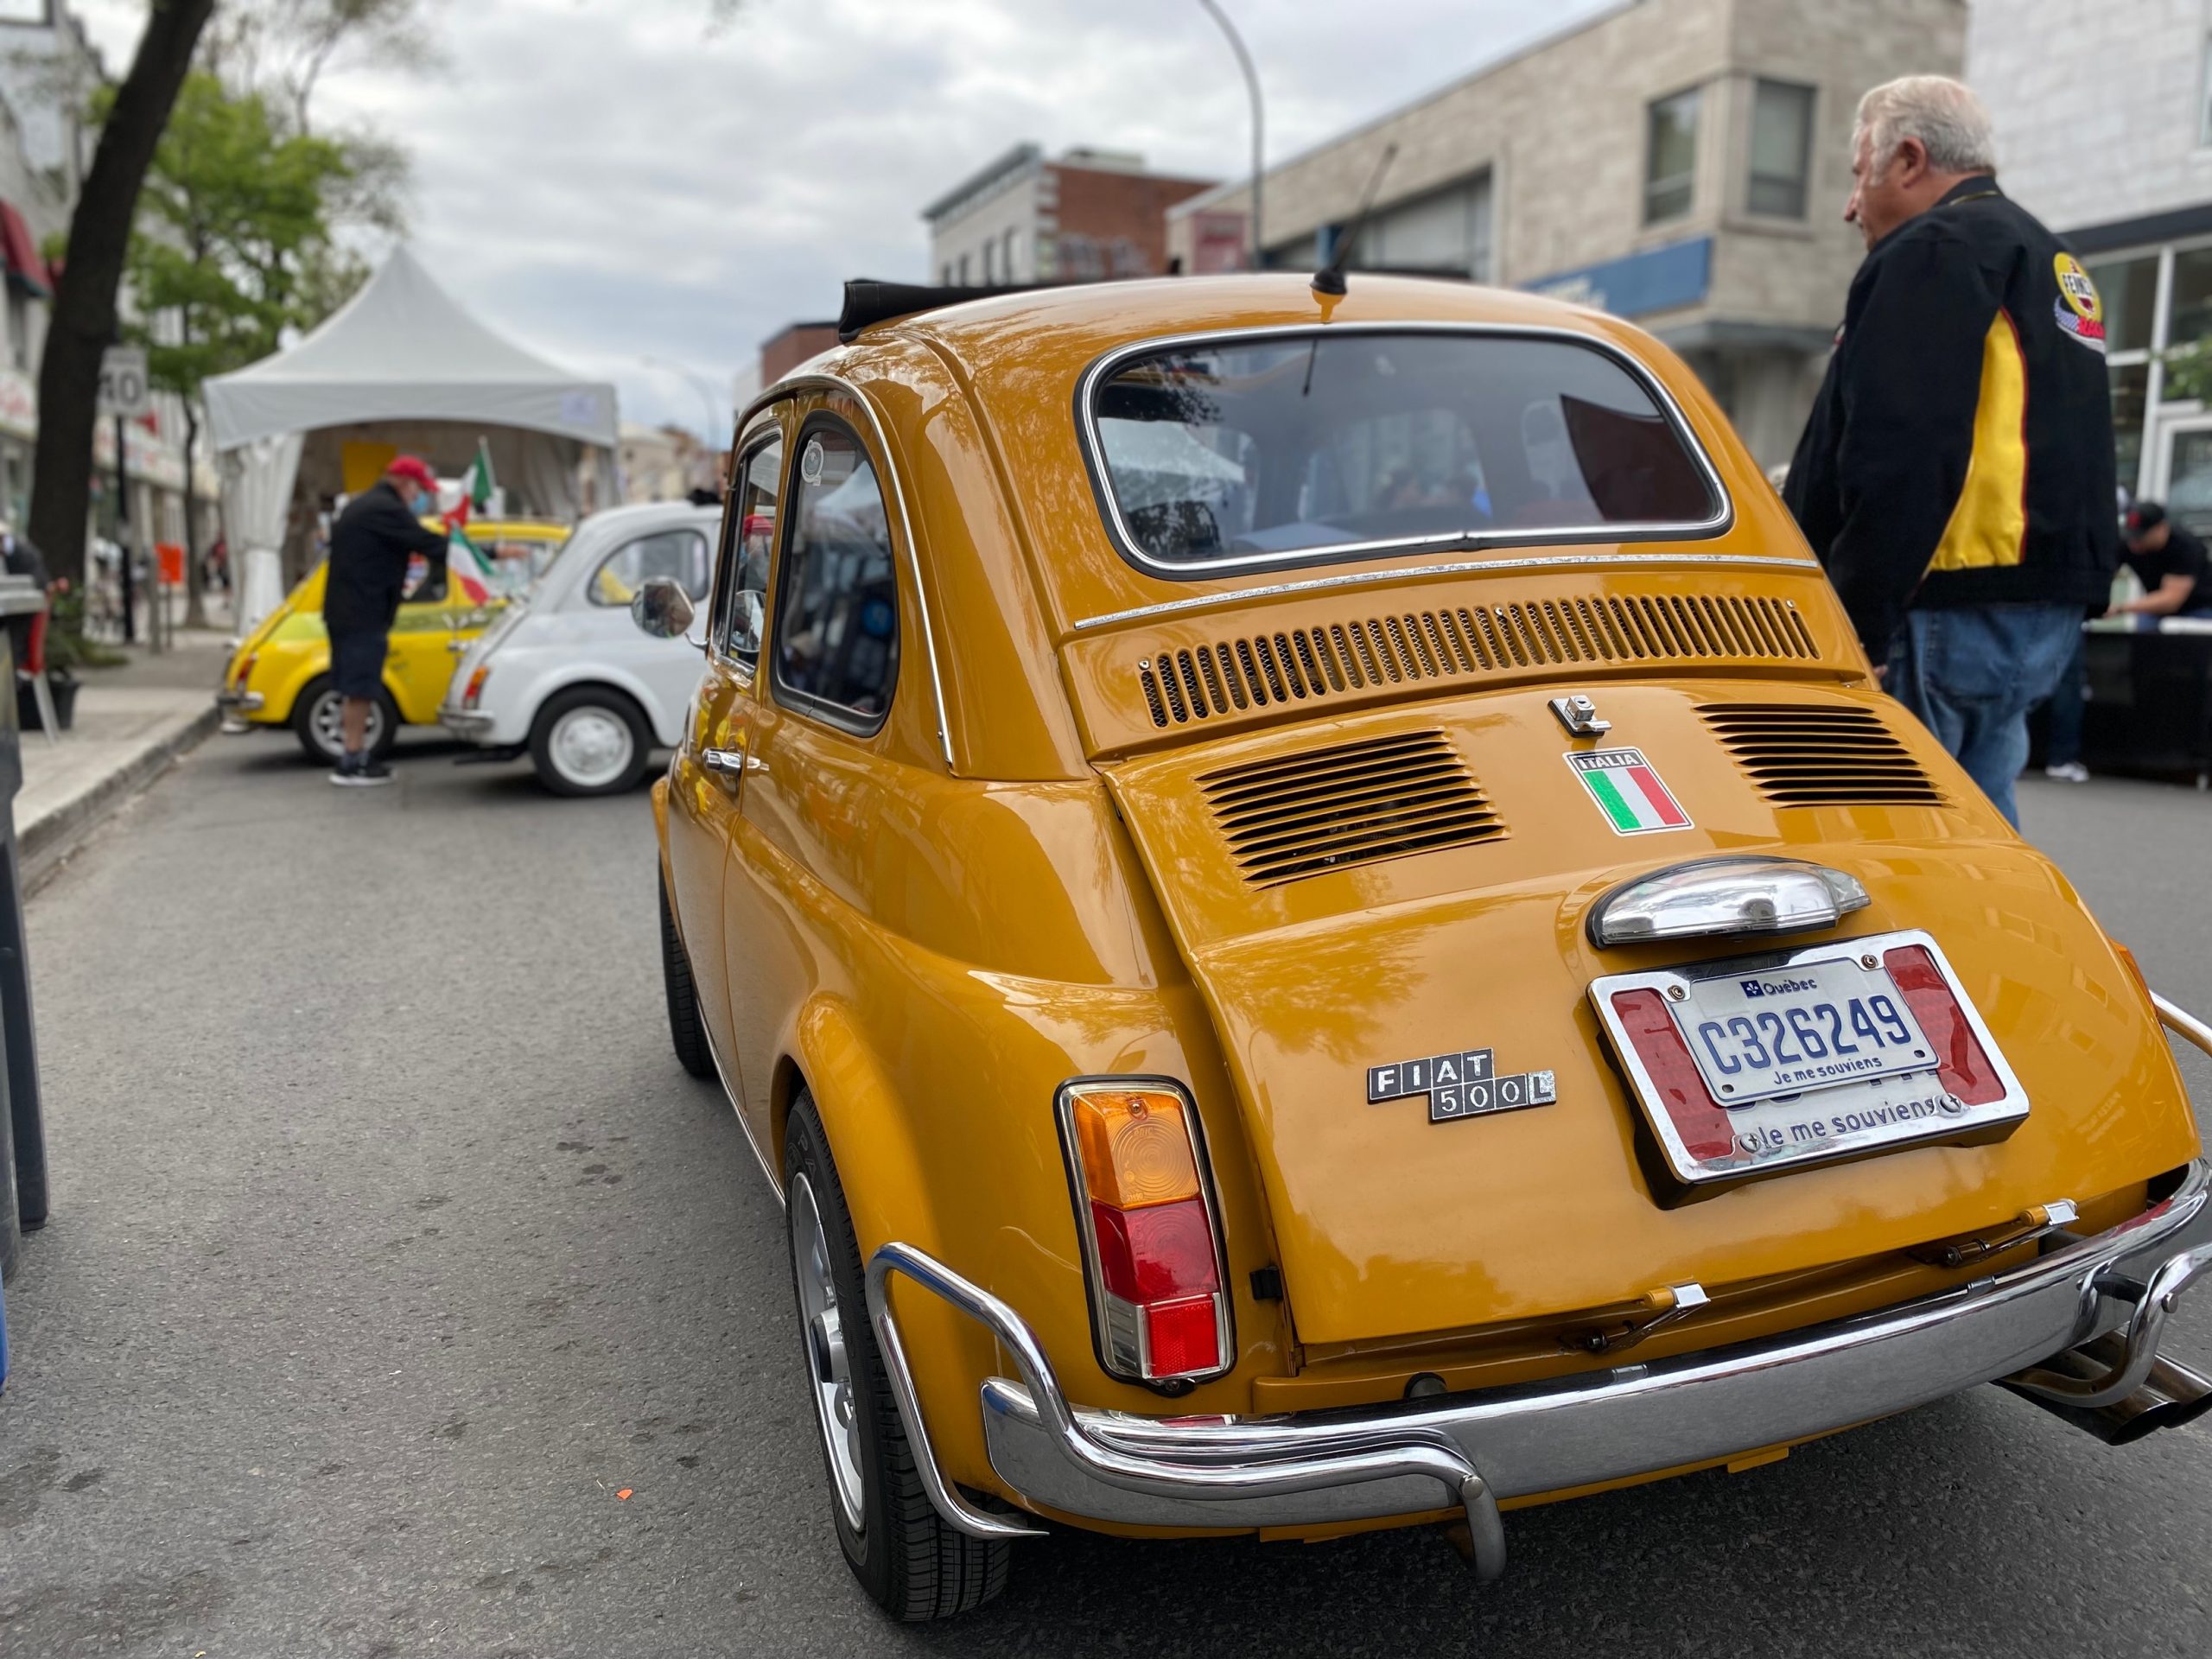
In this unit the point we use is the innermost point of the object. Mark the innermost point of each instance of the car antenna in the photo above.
(1329, 279)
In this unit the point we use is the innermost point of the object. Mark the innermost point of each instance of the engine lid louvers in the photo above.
(1817, 755)
(1352, 804)
(1317, 663)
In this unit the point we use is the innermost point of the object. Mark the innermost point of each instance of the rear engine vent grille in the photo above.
(1355, 804)
(1302, 663)
(1815, 755)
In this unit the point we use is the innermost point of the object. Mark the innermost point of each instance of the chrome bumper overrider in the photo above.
(471, 726)
(1471, 1450)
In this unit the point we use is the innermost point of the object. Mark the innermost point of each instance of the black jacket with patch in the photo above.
(1960, 450)
(369, 549)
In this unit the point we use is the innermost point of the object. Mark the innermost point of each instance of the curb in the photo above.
(42, 847)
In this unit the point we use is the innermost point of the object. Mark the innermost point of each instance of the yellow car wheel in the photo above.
(318, 720)
(914, 1566)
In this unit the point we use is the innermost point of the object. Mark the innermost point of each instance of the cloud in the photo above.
(607, 180)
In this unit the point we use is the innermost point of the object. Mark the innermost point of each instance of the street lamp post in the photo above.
(1251, 86)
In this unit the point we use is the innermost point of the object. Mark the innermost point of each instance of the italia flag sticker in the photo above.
(1627, 791)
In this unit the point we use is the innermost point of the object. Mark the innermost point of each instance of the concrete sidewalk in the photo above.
(131, 724)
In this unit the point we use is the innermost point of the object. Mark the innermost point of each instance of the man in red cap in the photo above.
(370, 546)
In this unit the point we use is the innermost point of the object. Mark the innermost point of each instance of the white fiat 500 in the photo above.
(565, 677)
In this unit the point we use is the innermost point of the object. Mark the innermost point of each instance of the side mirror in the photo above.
(661, 607)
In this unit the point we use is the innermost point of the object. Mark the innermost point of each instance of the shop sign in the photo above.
(1658, 279)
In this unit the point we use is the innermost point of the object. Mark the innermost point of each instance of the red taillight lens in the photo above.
(1182, 1337)
(475, 688)
(1154, 1249)
(1966, 1070)
(245, 669)
(1149, 1255)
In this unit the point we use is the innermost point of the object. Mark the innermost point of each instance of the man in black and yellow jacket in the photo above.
(1956, 474)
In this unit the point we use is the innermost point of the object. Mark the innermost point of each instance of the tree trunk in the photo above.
(195, 578)
(84, 321)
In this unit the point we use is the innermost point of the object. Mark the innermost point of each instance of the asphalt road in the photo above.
(391, 1246)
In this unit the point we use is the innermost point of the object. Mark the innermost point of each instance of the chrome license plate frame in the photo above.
(1821, 1123)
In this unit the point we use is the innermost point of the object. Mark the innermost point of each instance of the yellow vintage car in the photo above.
(279, 675)
(1310, 905)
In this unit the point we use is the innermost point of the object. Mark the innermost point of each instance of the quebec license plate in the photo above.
(1807, 1057)
(1758, 1034)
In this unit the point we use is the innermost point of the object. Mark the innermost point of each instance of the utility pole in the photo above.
(1252, 86)
(122, 539)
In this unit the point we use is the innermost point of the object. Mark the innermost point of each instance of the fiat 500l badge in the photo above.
(1462, 1084)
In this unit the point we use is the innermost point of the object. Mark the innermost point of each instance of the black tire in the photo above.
(316, 726)
(684, 1027)
(911, 1565)
(607, 713)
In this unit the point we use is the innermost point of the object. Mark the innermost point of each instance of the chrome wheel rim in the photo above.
(591, 746)
(329, 721)
(828, 1368)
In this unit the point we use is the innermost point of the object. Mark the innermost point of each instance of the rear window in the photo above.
(1289, 448)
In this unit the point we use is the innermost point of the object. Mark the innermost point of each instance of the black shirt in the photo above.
(370, 546)
(1960, 450)
(2182, 556)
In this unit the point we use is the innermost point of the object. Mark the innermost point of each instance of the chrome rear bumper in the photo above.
(1470, 1451)
(244, 702)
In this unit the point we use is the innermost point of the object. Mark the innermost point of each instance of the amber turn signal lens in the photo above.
(1136, 1148)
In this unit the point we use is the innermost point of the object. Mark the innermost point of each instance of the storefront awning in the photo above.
(26, 271)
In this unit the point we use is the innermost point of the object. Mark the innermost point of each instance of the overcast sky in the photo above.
(607, 180)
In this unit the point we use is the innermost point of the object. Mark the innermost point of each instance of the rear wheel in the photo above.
(914, 1566)
(318, 721)
(684, 1026)
(588, 740)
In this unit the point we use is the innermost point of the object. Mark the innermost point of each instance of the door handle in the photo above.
(728, 762)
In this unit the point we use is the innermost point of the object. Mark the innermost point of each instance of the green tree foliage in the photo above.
(233, 242)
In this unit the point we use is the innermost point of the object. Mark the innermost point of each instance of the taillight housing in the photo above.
(1150, 1230)
(475, 690)
(245, 669)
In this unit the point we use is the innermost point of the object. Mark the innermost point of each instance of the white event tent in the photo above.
(401, 365)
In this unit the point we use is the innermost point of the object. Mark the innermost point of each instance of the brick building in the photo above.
(1091, 214)
(783, 352)
(1682, 162)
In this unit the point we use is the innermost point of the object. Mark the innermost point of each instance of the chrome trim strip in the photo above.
(1087, 425)
(2183, 1023)
(1458, 567)
(1221, 1473)
(825, 382)
(736, 1100)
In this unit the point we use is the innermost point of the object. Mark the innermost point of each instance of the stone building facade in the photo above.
(1091, 214)
(2104, 131)
(1682, 162)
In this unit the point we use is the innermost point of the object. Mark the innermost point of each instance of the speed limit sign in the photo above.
(125, 390)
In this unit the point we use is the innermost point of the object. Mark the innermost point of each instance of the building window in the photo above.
(945, 278)
(2204, 95)
(2189, 311)
(964, 271)
(990, 264)
(1446, 231)
(2129, 288)
(1781, 147)
(1006, 262)
(19, 329)
(1670, 158)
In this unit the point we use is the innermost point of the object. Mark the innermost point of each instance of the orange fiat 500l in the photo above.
(1319, 922)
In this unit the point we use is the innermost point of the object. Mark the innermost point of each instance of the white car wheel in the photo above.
(588, 742)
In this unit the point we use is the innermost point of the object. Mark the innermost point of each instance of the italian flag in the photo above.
(467, 573)
(478, 484)
(1628, 791)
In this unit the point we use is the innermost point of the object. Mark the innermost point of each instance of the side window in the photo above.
(749, 531)
(837, 603)
(678, 553)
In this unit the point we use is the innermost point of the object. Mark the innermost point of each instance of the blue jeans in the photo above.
(2067, 699)
(1971, 672)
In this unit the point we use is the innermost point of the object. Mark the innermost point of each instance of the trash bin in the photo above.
(22, 1140)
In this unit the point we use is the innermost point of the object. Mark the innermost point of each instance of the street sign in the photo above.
(125, 390)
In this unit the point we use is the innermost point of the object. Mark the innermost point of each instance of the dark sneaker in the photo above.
(359, 771)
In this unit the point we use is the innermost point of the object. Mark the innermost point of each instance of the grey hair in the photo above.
(1942, 113)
